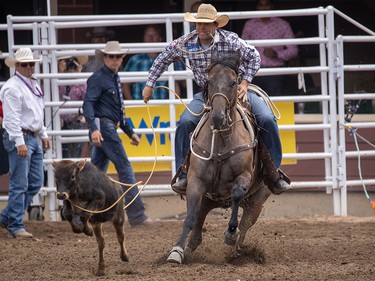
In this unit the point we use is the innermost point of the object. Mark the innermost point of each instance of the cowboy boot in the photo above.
(275, 179)
(180, 185)
(179, 182)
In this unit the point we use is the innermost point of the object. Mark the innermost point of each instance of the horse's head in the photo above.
(221, 88)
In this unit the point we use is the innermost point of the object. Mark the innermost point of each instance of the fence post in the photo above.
(330, 29)
(341, 121)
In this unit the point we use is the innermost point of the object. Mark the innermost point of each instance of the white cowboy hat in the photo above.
(22, 55)
(111, 48)
(206, 14)
(81, 59)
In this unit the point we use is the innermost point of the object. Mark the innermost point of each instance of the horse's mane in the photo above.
(232, 61)
(229, 60)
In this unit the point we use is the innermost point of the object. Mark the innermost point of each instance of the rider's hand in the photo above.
(242, 89)
(147, 94)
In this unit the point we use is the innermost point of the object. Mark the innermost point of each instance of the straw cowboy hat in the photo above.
(111, 48)
(81, 59)
(206, 14)
(22, 55)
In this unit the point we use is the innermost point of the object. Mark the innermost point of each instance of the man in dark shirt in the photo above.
(103, 110)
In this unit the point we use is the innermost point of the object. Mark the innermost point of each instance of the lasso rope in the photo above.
(184, 104)
(125, 184)
(255, 88)
(195, 52)
(260, 92)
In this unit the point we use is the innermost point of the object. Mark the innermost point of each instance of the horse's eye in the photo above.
(233, 83)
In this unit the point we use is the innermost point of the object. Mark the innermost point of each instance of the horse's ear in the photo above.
(214, 55)
(237, 57)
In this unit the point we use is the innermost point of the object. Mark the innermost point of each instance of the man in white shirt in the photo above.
(24, 136)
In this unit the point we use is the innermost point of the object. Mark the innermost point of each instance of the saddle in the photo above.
(244, 109)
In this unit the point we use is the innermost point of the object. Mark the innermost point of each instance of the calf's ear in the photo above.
(81, 164)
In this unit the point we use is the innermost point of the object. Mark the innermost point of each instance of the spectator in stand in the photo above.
(99, 34)
(143, 62)
(68, 64)
(275, 56)
(25, 139)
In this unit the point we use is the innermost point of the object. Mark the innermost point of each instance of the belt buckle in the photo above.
(35, 134)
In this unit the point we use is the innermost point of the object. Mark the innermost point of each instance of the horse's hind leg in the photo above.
(98, 230)
(252, 207)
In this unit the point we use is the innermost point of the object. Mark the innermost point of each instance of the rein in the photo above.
(231, 152)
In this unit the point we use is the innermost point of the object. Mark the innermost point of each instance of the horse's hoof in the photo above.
(176, 255)
(231, 238)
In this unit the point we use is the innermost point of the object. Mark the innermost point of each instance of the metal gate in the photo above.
(331, 68)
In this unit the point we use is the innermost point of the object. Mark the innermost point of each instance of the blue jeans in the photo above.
(113, 150)
(26, 179)
(266, 120)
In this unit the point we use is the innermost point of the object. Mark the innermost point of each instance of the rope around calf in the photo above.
(121, 183)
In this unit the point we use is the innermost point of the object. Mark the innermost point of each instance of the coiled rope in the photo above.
(353, 132)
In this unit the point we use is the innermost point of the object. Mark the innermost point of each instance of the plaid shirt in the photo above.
(226, 42)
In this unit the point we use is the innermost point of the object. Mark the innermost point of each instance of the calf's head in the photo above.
(66, 172)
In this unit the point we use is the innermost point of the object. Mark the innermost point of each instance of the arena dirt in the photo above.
(318, 248)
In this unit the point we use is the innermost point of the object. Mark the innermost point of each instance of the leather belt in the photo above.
(105, 119)
(28, 132)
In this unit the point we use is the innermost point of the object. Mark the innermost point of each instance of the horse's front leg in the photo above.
(196, 233)
(194, 201)
(238, 192)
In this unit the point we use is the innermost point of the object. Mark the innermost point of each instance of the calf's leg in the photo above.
(74, 220)
(118, 223)
(87, 229)
(98, 230)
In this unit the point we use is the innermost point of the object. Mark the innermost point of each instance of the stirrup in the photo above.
(180, 186)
